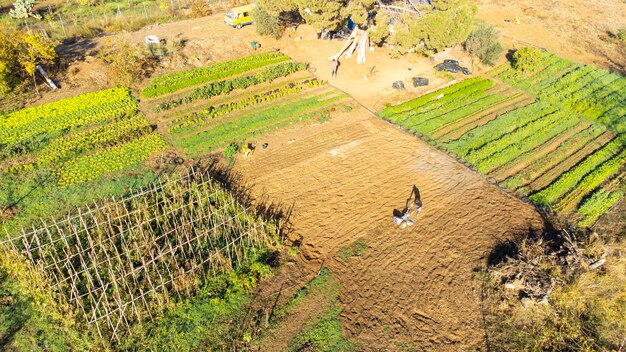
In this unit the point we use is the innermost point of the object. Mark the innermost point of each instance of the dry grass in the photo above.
(547, 298)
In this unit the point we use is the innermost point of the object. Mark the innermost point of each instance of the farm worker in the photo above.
(335, 66)
(319, 33)
(417, 203)
(414, 206)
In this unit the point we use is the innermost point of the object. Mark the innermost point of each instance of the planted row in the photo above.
(568, 180)
(506, 123)
(597, 204)
(98, 137)
(178, 80)
(107, 99)
(447, 117)
(214, 111)
(226, 132)
(428, 98)
(224, 87)
(89, 167)
(517, 145)
(443, 104)
(99, 112)
(545, 122)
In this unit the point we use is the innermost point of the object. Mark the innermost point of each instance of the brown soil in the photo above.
(344, 178)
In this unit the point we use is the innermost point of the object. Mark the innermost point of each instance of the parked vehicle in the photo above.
(240, 16)
(453, 66)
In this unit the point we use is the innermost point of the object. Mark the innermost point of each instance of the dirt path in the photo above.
(412, 287)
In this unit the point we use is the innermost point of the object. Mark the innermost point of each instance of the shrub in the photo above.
(265, 23)
(126, 61)
(483, 42)
(527, 59)
(230, 151)
(621, 35)
(20, 52)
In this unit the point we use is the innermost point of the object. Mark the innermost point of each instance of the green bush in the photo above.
(380, 32)
(483, 42)
(265, 23)
(527, 59)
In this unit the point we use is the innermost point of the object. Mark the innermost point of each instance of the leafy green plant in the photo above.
(89, 167)
(179, 80)
(268, 74)
(230, 151)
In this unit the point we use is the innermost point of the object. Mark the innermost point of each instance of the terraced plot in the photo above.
(50, 152)
(562, 149)
(232, 109)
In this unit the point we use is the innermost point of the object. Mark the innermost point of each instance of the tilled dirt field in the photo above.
(414, 286)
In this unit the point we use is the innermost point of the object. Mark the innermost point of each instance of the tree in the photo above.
(20, 52)
(483, 42)
(266, 23)
(448, 24)
(322, 13)
(380, 31)
(527, 59)
(23, 9)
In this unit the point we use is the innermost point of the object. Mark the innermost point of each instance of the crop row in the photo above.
(597, 204)
(592, 180)
(89, 167)
(441, 106)
(519, 134)
(446, 93)
(568, 141)
(214, 111)
(553, 68)
(179, 80)
(446, 117)
(213, 89)
(519, 144)
(103, 136)
(568, 180)
(97, 113)
(505, 123)
(226, 132)
(84, 102)
(571, 82)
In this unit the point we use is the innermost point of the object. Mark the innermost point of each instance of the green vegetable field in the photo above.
(48, 148)
(554, 135)
(248, 97)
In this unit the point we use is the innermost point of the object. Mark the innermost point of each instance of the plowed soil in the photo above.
(414, 286)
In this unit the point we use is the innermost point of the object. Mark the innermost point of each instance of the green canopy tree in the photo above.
(322, 13)
(448, 23)
(328, 14)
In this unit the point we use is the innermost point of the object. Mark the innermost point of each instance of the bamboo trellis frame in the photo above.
(122, 261)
